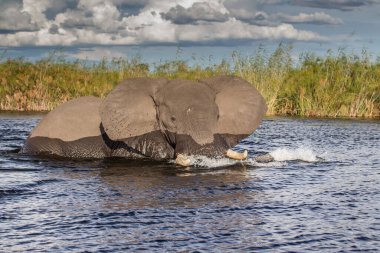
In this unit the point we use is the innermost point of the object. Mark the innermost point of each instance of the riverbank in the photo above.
(336, 85)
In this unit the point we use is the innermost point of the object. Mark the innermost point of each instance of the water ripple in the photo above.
(321, 193)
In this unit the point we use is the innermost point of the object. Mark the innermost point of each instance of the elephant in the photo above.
(156, 118)
(73, 130)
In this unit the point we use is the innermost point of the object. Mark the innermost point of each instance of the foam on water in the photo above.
(280, 155)
(286, 154)
(253, 163)
(204, 161)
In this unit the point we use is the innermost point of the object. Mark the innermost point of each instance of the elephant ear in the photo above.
(241, 107)
(128, 114)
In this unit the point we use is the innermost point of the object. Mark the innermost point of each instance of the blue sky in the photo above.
(205, 30)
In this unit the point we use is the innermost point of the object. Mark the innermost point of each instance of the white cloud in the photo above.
(38, 38)
(104, 22)
(313, 18)
(199, 11)
(36, 10)
(13, 19)
(237, 30)
(244, 14)
(262, 18)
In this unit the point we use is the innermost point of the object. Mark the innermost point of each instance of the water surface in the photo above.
(322, 193)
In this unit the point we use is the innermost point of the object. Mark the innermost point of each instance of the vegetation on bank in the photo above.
(336, 85)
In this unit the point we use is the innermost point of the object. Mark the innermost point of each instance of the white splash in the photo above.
(204, 161)
(302, 154)
(253, 163)
(280, 155)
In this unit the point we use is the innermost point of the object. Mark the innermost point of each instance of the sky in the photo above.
(204, 31)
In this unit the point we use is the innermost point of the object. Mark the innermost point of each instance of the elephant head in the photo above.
(160, 118)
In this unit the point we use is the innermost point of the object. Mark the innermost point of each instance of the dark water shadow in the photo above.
(142, 183)
(153, 184)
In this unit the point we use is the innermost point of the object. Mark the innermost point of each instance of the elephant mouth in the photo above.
(184, 160)
(185, 146)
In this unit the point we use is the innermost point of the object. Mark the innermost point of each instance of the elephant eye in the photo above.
(172, 118)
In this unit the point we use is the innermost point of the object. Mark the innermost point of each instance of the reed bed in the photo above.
(335, 85)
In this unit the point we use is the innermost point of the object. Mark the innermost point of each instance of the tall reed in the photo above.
(335, 85)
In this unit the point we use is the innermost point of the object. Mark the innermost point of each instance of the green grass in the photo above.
(336, 85)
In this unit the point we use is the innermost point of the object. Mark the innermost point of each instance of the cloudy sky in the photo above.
(203, 29)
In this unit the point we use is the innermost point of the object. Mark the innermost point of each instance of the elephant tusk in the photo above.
(182, 160)
(236, 155)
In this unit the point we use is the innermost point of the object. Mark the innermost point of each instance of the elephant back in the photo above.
(73, 120)
(71, 130)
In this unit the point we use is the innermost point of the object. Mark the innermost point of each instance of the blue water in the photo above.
(321, 194)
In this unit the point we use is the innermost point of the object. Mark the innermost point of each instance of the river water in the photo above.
(322, 193)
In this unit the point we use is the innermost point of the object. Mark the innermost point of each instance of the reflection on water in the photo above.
(139, 186)
(320, 194)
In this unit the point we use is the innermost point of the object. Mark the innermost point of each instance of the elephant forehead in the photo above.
(187, 96)
(193, 106)
(71, 121)
(185, 92)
